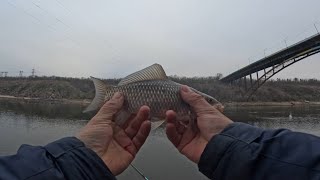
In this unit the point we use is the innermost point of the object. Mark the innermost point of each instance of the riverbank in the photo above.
(87, 102)
(286, 103)
(69, 90)
(39, 100)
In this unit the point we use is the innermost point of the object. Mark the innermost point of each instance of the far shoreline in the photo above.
(87, 101)
(285, 103)
(39, 100)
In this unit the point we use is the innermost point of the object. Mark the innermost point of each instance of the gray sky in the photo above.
(112, 38)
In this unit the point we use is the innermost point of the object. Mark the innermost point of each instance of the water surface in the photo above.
(39, 124)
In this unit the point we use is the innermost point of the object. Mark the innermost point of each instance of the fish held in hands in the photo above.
(149, 86)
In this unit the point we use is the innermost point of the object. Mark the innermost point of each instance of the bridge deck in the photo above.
(276, 58)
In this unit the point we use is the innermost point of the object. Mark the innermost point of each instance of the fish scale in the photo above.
(151, 87)
(160, 96)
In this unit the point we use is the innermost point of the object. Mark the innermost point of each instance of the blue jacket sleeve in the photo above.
(242, 151)
(67, 158)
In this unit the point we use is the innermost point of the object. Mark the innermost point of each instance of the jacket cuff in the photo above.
(62, 146)
(72, 154)
(221, 143)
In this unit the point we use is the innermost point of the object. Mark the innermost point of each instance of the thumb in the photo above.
(110, 108)
(195, 100)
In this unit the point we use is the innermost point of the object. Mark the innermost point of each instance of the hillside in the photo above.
(47, 88)
(73, 88)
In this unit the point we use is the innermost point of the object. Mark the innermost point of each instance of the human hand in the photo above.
(209, 122)
(116, 146)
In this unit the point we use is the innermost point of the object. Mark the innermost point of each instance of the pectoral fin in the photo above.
(156, 124)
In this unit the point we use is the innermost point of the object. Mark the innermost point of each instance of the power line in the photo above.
(113, 52)
(316, 27)
(47, 12)
(58, 20)
(32, 16)
(60, 4)
(41, 22)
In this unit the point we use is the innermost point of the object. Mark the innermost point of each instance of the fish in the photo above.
(151, 87)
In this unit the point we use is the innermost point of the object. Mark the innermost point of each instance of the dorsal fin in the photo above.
(153, 72)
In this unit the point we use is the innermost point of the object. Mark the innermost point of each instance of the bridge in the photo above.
(249, 76)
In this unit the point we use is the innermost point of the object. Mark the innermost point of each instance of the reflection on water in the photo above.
(45, 109)
(303, 118)
(39, 124)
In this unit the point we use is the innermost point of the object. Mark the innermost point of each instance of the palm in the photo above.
(117, 146)
(210, 122)
(194, 148)
(121, 148)
(116, 156)
(187, 141)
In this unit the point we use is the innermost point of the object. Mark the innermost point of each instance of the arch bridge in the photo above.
(249, 76)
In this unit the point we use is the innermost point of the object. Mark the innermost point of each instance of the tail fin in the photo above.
(98, 99)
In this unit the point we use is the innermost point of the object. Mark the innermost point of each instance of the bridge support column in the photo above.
(257, 77)
(273, 69)
(245, 83)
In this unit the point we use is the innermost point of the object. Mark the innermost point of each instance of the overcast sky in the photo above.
(112, 38)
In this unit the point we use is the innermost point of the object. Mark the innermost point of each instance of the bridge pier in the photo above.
(245, 83)
(257, 77)
(273, 69)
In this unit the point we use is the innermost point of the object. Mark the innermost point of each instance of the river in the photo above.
(41, 123)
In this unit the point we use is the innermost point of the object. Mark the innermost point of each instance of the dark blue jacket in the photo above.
(66, 158)
(241, 151)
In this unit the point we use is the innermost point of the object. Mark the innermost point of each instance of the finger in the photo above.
(111, 107)
(186, 138)
(171, 128)
(126, 124)
(181, 128)
(124, 141)
(195, 100)
(171, 117)
(142, 134)
(136, 122)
